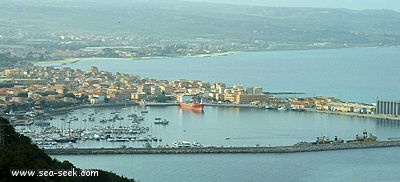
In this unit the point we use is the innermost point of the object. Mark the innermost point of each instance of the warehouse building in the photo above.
(388, 107)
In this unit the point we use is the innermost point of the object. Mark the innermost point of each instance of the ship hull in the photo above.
(192, 106)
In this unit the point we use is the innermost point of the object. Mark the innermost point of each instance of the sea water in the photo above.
(354, 74)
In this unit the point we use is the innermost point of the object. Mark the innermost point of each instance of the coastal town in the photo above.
(196, 90)
(34, 90)
(31, 95)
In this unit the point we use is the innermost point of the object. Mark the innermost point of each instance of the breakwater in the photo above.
(216, 150)
(352, 114)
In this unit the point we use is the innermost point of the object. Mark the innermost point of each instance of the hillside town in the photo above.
(36, 89)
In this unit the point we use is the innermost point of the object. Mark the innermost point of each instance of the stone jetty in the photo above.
(216, 150)
(352, 114)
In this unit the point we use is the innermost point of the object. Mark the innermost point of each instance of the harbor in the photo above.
(139, 126)
(247, 127)
(323, 143)
(66, 130)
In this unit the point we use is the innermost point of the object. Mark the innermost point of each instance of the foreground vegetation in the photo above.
(18, 153)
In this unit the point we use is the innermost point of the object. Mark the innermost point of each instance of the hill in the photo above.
(17, 153)
(188, 20)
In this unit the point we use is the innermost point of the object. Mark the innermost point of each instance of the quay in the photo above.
(232, 105)
(374, 116)
(351, 114)
(159, 104)
(225, 150)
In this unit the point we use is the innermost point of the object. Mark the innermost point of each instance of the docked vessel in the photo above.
(193, 106)
(322, 140)
(187, 102)
(366, 137)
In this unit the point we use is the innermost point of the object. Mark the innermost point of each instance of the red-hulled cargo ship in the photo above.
(192, 106)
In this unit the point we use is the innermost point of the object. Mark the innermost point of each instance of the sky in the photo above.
(349, 4)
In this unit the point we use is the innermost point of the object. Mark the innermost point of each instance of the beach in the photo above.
(75, 60)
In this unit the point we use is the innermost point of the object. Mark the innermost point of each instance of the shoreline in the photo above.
(74, 60)
(372, 116)
(77, 59)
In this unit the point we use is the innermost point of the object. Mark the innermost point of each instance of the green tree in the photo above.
(162, 98)
(18, 152)
(71, 95)
(22, 94)
(48, 93)
(6, 85)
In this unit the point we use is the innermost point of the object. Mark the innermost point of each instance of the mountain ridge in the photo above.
(189, 20)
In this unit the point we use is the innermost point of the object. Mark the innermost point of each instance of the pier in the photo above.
(159, 104)
(225, 150)
(352, 114)
(232, 105)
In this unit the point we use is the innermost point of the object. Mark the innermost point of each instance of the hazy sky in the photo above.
(350, 4)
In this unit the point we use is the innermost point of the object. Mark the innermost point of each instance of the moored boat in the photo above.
(197, 145)
(326, 140)
(65, 140)
(186, 144)
(182, 144)
(163, 122)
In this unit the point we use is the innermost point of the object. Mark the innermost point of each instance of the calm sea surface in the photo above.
(349, 165)
(356, 74)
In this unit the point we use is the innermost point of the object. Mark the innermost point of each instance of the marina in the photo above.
(129, 127)
(56, 131)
